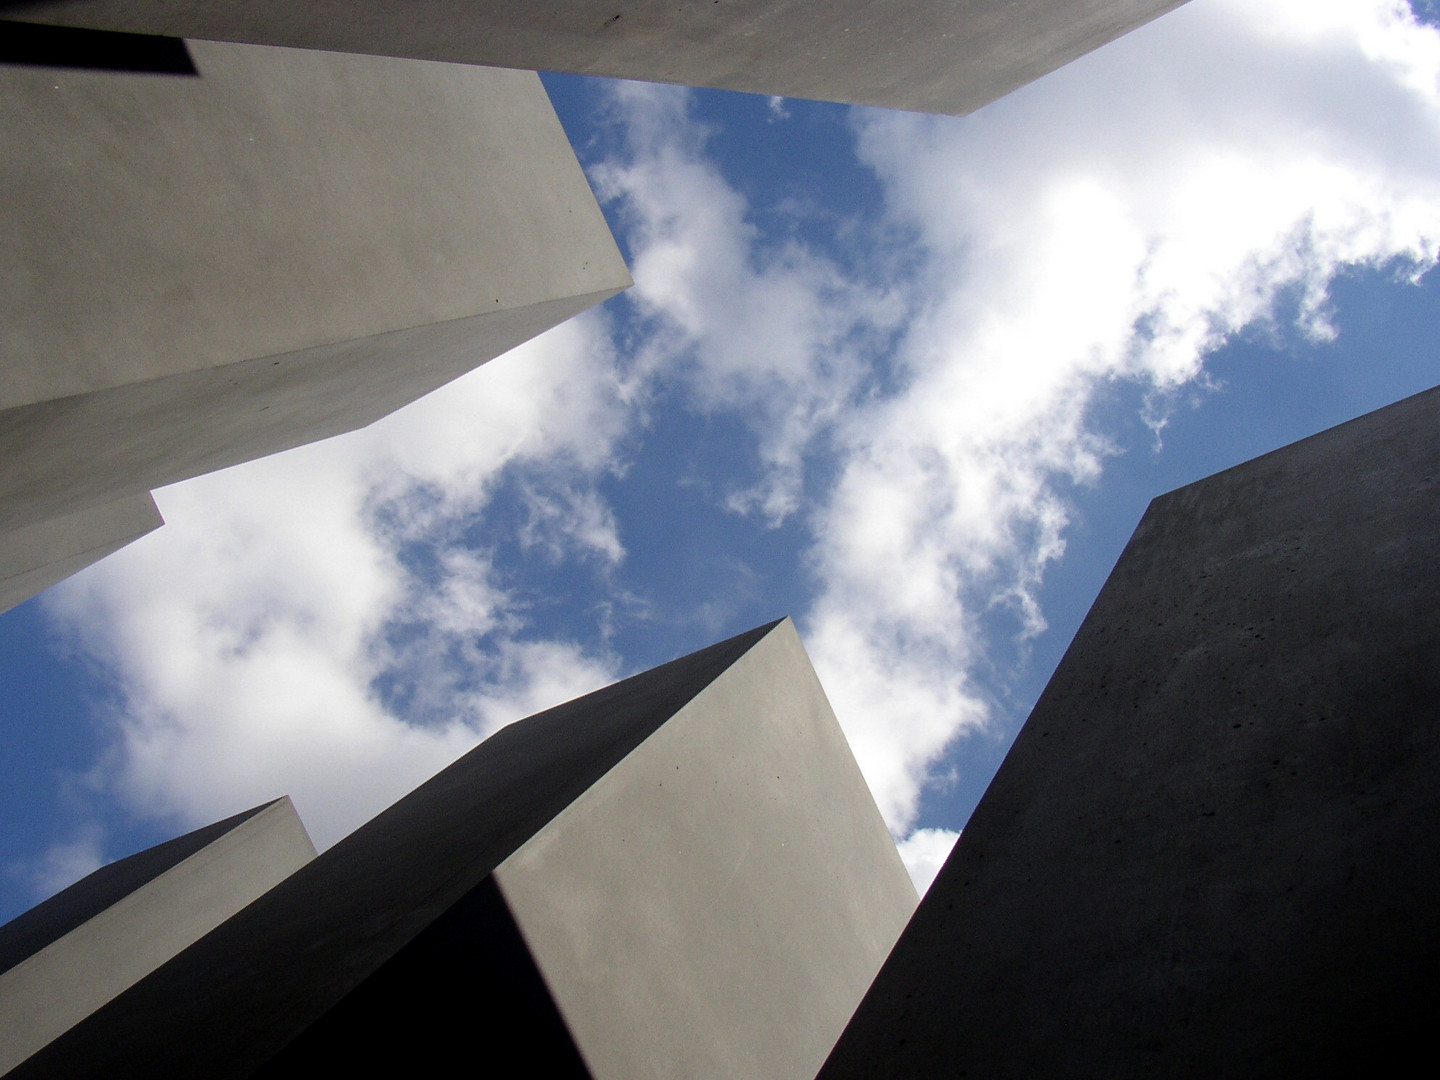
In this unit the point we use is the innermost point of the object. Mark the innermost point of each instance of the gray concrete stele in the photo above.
(201, 270)
(1214, 849)
(945, 56)
(680, 875)
(66, 958)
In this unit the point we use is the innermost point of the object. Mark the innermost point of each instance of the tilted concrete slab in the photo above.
(716, 903)
(682, 874)
(946, 56)
(34, 557)
(67, 957)
(1214, 849)
(200, 271)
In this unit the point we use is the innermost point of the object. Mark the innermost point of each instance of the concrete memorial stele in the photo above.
(680, 875)
(1214, 849)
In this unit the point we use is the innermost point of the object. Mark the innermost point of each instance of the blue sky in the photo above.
(910, 380)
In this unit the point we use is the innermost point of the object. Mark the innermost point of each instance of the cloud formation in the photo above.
(1116, 221)
(316, 623)
(327, 623)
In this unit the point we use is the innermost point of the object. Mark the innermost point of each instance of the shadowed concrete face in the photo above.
(64, 959)
(947, 56)
(34, 557)
(1214, 849)
(682, 874)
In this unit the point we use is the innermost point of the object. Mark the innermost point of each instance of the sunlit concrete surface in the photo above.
(716, 904)
(946, 56)
(200, 270)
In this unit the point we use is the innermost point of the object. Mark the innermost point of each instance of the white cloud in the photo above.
(1117, 220)
(768, 329)
(62, 864)
(250, 635)
(924, 852)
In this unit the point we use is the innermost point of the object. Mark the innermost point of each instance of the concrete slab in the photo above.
(33, 558)
(547, 889)
(948, 57)
(1214, 849)
(67, 957)
(204, 270)
(717, 903)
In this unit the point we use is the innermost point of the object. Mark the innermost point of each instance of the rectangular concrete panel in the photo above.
(60, 457)
(947, 56)
(1214, 849)
(717, 903)
(64, 959)
(34, 557)
(201, 270)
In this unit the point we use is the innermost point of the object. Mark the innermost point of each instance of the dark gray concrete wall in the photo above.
(465, 987)
(1214, 849)
(228, 1004)
(34, 557)
(948, 56)
(81, 948)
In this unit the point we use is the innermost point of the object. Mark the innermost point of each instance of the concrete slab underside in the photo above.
(67, 957)
(935, 56)
(1214, 849)
(34, 557)
(200, 271)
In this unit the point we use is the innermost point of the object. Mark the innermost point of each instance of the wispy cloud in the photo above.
(1115, 221)
(62, 864)
(318, 623)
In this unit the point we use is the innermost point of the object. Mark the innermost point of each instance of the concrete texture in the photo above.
(717, 903)
(680, 875)
(34, 557)
(1214, 849)
(947, 56)
(64, 959)
(288, 246)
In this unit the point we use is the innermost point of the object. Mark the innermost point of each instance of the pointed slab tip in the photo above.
(70, 955)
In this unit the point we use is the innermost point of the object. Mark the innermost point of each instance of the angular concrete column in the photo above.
(34, 557)
(947, 56)
(680, 875)
(1214, 849)
(291, 244)
(64, 959)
